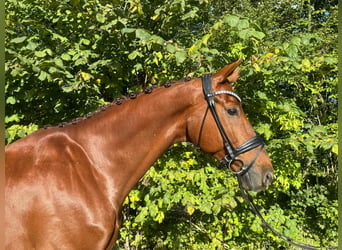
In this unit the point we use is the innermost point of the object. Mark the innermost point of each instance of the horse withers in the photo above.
(65, 185)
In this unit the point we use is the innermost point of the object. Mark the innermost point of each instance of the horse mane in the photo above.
(120, 100)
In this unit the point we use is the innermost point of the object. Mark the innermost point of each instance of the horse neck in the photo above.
(125, 140)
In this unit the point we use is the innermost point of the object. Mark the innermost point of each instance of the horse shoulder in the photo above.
(53, 186)
(42, 153)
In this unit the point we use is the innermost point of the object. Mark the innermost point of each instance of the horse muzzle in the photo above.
(255, 181)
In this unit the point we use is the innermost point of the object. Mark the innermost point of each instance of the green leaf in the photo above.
(81, 61)
(160, 217)
(31, 46)
(43, 75)
(231, 20)
(40, 53)
(142, 215)
(258, 34)
(59, 62)
(180, 57)
(157, 39)
(84, 41)
(244, 34)
(49, 51)
(10, 100)
(56, 36)
(243, 24)
(206, 38)
(66, 57)
(292, 50)
(52, 70)
(134, 54)
(206, 207)
(142, 34)
(100, 18)
(18, 39)
(265, 130)
(170, 48)
(334, 149)
(330, 60)
(216, 207)
(128, 30)
(306, 64)
(12, 118)
(296, 40)
(138, 67)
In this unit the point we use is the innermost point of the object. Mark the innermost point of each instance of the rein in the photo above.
(232, 154)
(289, 240)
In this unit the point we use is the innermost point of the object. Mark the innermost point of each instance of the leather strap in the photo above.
(232, 152)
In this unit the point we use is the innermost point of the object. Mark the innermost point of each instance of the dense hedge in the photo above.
(66, 58)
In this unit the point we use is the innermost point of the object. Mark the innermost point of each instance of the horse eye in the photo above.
(232, 111)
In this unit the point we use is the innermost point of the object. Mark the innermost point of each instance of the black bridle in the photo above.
(232, 153)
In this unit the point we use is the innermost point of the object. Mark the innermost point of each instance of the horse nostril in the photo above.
(268, 178)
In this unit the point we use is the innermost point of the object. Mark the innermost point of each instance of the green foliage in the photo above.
(66, 58)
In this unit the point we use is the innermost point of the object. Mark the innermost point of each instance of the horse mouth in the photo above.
(253, 181)
(247, 185)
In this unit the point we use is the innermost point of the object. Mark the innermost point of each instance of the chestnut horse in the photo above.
(65, 185)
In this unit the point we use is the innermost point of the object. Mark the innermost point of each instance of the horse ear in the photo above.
(227, 73)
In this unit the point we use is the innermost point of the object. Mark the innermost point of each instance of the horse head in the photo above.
(219, 126)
